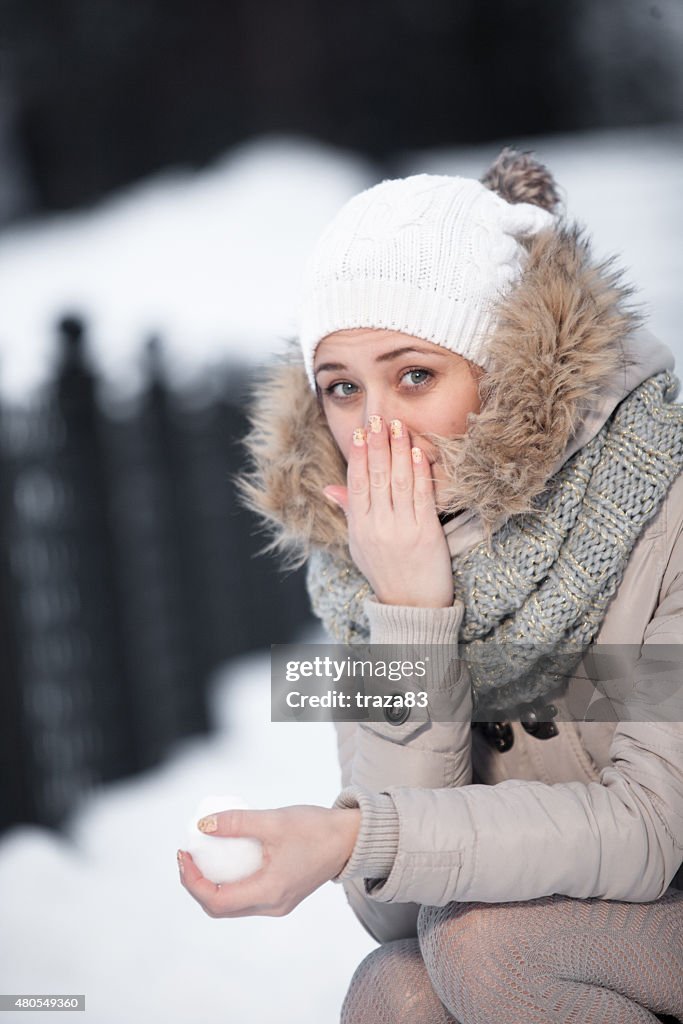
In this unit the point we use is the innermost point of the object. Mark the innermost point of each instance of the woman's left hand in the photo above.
(303, 847)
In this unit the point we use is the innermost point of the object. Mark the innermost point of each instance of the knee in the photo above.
(474, 933)
(363, 989)
(458, 940)
(471, 950)
(388, 985)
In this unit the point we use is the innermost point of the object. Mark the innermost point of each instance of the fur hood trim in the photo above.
(559, 340)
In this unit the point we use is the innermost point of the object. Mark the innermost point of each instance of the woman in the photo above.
(477, 448)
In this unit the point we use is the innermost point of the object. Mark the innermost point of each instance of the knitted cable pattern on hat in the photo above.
(536, 597)
(429, 255)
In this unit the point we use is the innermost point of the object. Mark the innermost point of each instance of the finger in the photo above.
(357, 475)
(203, 890)
(208, 892)
(248, 896)
(379, 466)
(401, 471)
(424, 495)
(225, 899)
(338, 496)
(236, 822)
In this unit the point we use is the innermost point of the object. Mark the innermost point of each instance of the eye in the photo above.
(345, 385)
(414, 384)
(417, 377)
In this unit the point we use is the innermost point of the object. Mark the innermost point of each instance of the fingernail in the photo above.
(396, 428)
(332, 501)
(375, 424)
(180, 862)
(359, 437)
(208, 824)
(417, 454)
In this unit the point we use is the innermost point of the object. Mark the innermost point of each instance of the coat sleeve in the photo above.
(419, 753)
(619, 838)
(432, 749)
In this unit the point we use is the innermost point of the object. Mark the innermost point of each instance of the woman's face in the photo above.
(366, 371)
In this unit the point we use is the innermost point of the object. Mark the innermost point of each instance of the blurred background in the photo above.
(165, 168)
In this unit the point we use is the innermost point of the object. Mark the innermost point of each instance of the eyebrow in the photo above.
(384, 358)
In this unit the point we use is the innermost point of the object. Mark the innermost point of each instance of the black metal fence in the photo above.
(128, 572)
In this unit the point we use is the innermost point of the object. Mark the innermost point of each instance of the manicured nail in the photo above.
(396, 428)
(180, 862)
(359, 437)
(375, 424)
(417, 454)
(208, 824)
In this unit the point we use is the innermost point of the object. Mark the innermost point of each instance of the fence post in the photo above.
(16, 794)
(160, 607)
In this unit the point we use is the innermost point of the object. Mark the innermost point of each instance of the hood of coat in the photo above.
(567, 348)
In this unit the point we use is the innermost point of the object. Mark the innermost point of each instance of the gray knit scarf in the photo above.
(536, 598)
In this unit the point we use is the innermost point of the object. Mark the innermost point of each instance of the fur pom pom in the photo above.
(518, 178)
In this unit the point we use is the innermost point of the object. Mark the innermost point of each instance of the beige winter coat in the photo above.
(596, 810)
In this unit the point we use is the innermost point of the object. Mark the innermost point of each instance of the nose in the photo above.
(377, 403)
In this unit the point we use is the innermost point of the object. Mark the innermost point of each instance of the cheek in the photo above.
(467, 402)
(343, 445)
(459, 421)
(448, 415)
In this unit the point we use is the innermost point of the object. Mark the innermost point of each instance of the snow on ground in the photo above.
(101, 910)
(212, 260)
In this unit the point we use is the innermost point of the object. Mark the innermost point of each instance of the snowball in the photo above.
(222, 858)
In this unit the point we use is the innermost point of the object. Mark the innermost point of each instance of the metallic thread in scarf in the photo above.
(537, 598)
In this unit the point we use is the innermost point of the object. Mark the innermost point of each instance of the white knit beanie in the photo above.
(430, 255)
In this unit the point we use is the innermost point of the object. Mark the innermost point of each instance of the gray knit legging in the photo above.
(554, 959)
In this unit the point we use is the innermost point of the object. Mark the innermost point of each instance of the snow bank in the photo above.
(210, 261)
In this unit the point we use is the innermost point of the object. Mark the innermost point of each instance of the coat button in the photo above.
(542, 730)
(534, 722)
(498, 734)
(398, 712)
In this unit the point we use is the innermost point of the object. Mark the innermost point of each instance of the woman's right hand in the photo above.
(395, 537)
